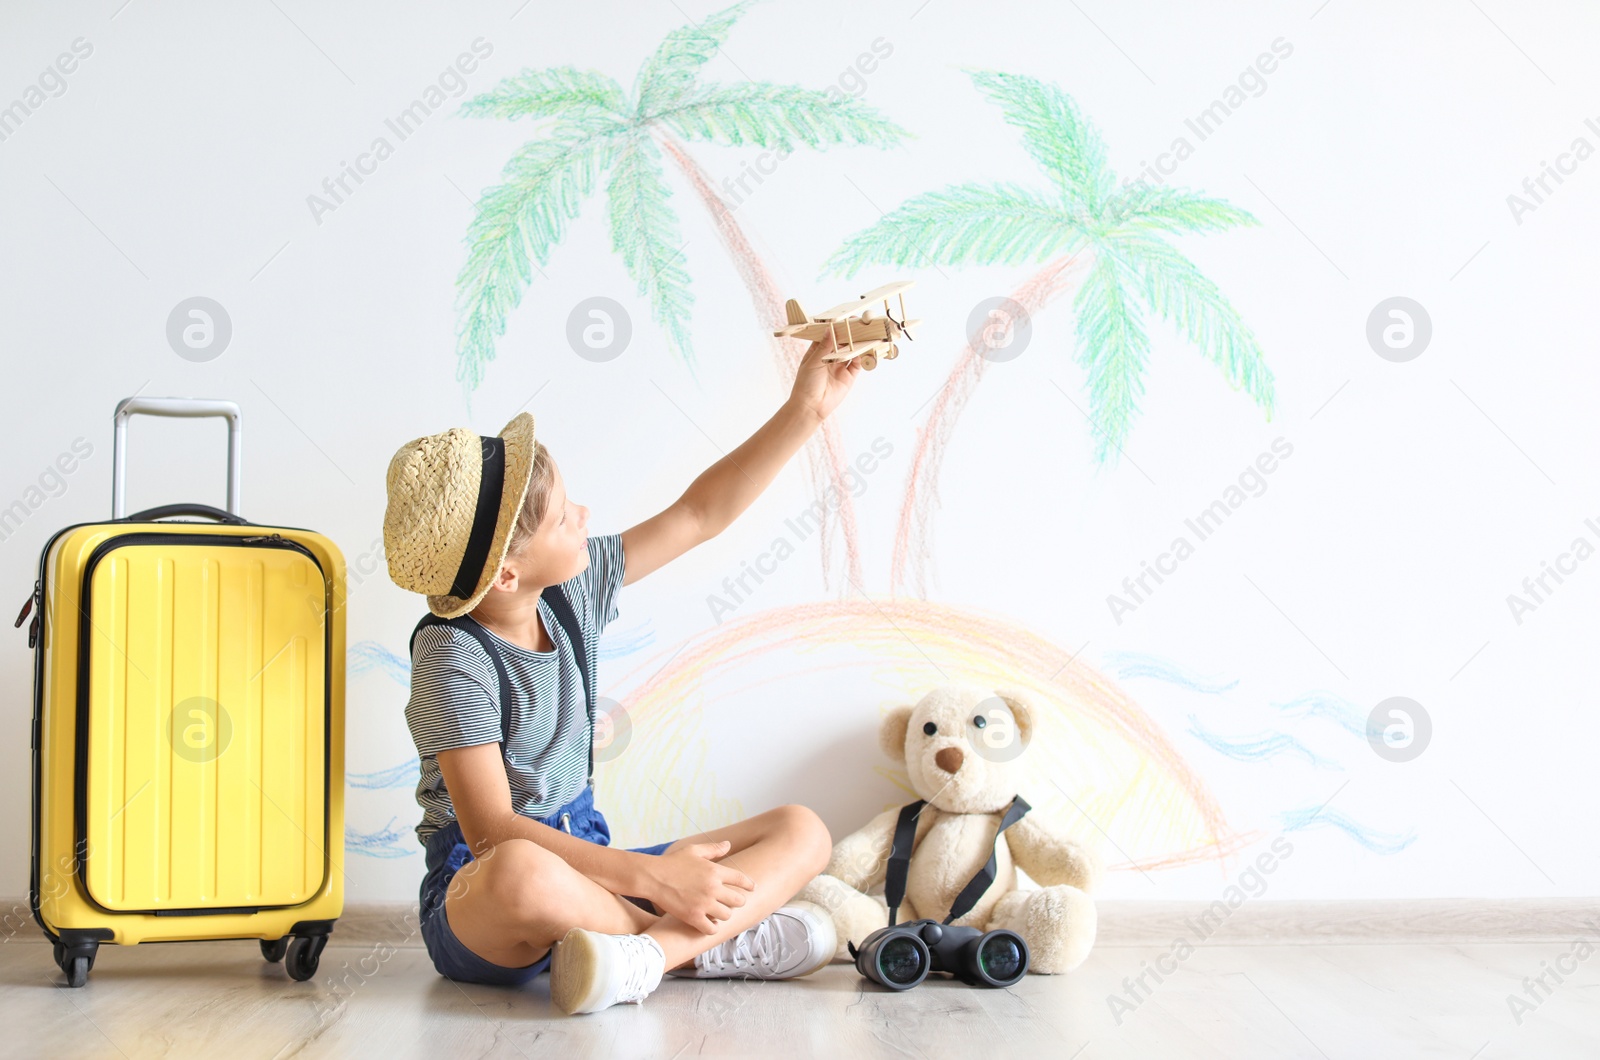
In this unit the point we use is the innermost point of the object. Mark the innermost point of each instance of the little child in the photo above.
(520, 872)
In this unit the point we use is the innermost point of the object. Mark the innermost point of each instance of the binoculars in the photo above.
(901, 956)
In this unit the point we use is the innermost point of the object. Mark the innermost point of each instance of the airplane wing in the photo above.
(887, 291)
(879, 349)
(843, 309)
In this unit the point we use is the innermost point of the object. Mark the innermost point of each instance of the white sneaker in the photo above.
(793, 941)
(592, 970)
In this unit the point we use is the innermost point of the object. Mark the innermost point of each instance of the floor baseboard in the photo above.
(1370, 922)
(1135, 923)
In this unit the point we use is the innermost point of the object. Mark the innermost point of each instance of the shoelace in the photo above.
(750, 948)
(635, 987)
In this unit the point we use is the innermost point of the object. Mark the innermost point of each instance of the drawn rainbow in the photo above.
(1097, 751)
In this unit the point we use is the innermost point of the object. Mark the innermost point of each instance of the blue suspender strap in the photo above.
(569, 622)
(481, 635)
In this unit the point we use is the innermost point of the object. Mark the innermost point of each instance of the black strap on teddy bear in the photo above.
(905, 833)
(559, 603)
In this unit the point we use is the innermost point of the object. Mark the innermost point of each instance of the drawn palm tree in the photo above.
(1080, 222)
(597, 131)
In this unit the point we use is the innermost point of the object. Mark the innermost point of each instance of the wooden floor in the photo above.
(1363, 1000)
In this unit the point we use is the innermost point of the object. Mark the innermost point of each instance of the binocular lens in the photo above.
(902, 960)
(1001, 958)
(901, 956)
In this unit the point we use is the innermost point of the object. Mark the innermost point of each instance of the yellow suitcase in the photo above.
(188, 726)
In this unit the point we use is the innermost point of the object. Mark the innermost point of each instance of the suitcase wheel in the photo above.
(274, 949)
(304, 953)
(76, 966)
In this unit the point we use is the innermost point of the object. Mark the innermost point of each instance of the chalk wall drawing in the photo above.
(1089, 232)
(1305, 742)
(1129, 664)
(1107, 239)
(1373, 840)
(1257, 747)
(1334, 709)
(390, 841)
(596, 129)
(1120, 767)
(1100, 761)
(403, 775)
(1098, 755)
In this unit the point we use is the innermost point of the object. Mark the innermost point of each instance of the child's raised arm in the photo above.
(727, 488)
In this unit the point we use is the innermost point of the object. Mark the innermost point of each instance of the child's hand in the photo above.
(689, 884)
(821, 386)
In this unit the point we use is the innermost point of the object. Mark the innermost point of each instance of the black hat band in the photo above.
(484, 518)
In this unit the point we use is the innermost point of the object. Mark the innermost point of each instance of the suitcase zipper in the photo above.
(33, 627)
(27, 605)
(268, 540)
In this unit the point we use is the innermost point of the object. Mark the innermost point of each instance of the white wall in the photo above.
(1377, 563)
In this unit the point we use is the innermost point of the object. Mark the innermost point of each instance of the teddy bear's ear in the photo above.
(892, 733)
(1022, 711)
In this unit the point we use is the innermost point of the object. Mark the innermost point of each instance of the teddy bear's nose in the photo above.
(949, 759)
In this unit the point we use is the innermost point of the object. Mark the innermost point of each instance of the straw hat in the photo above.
(453, 500)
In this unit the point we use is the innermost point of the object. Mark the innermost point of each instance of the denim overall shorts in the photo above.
(447, 851)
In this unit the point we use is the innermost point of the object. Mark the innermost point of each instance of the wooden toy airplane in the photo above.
(864, 335)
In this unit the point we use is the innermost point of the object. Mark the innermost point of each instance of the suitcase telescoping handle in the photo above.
(170, 406)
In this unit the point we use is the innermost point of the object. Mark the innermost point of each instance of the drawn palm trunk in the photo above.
(914, 531)
(825, 453)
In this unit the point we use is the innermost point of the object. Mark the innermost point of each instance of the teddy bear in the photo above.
(961, 746)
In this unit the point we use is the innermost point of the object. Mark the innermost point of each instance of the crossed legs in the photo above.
(511, 905)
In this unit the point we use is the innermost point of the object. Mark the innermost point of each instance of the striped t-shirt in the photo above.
(455, 699)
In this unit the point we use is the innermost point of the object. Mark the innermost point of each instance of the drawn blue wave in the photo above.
(386, 842)
(366, 655)
(1373, 839)
(404, 775)
(614, 644)
(1138, 664)
(1257, 748)
(1326, 705)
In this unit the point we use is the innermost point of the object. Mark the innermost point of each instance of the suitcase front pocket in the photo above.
(203, 698)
